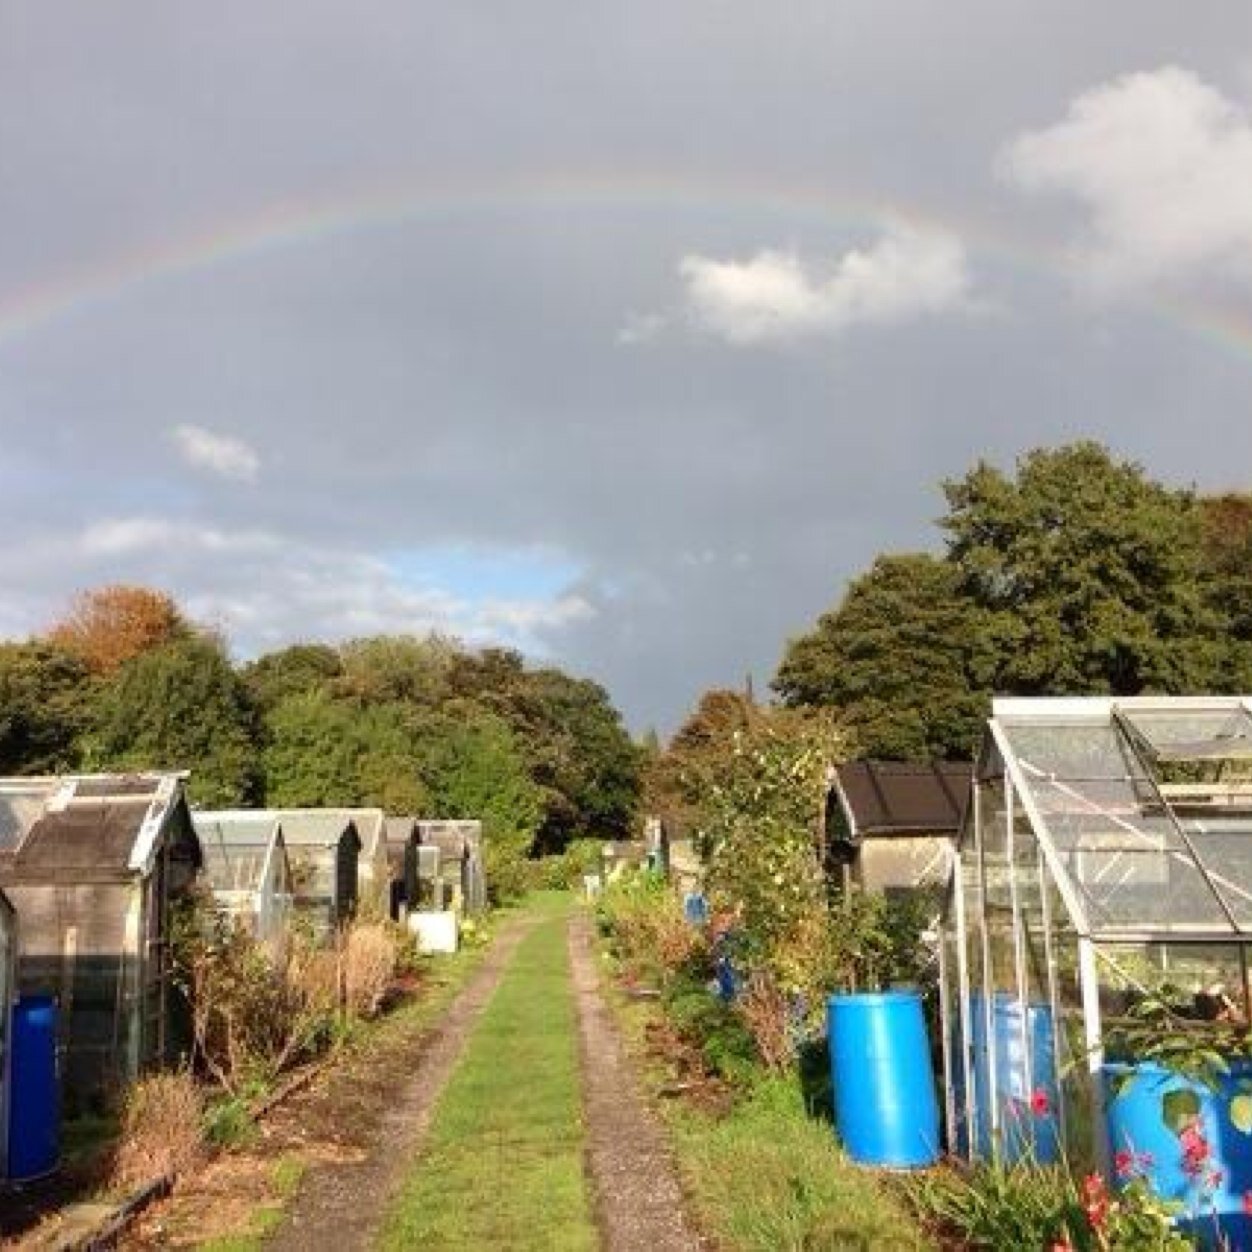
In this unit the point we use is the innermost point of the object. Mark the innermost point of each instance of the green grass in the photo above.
(503, 1166)
(767, 1176)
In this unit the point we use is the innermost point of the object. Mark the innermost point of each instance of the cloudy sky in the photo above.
(622, 333)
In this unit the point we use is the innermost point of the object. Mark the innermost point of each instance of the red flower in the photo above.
(1095, 1201)
(1062, 1245)
(1195, 1151)
(1127, 1163)
(1040, 1105)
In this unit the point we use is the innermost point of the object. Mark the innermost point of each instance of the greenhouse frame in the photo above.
(1105, 857)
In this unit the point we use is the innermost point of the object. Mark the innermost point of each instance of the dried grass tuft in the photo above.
(161, 1128)
(370, 954)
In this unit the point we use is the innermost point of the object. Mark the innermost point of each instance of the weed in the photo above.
(161, 1129)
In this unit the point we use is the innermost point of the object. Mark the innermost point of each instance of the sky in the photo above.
(624, 334)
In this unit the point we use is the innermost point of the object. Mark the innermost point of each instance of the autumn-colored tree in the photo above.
(108, 626)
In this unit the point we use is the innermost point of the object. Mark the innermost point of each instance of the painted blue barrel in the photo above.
(1026, 1091)
(34, 1130)
(695, 908)
(884, 1086)
(1212, 1191)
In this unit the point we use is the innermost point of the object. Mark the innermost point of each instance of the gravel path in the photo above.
(340, 1204)
(639, 1202)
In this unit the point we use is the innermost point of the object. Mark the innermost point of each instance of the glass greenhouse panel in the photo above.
(1193, 734)
(1105, 819)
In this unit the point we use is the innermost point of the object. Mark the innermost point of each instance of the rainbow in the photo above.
(306, 223)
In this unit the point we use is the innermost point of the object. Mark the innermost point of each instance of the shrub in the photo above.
(161, 1128)
(643, 917)
(715, 1028)
(370, 956)
(253, 1013)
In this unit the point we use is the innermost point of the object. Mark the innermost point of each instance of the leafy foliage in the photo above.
(902, 657)
(108, 626)
(45, 697)
(181, 706)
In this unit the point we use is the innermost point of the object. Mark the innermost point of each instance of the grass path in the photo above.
(503, 1164)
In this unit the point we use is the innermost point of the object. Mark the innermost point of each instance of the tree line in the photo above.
(412, 724)
(1075, 573)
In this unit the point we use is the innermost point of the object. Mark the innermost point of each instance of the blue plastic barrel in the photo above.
(1029, 1131)
(695, 908)
(34, 1129)
(1212, 1195)
(884, 1087)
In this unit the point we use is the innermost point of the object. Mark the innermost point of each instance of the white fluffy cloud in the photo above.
(905, 274)
(219, 454)
(265, 589)
(1163, 163)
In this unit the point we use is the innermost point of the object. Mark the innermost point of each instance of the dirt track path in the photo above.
(340, 1204)
(639, 1201)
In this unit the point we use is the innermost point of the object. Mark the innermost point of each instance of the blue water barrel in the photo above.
(1211, 1196)
(884, 1087)
(695, 908)
(34, 1130)
(1027, 1133)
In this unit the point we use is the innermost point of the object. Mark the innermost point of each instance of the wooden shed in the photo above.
(402, 844)
(8, 996)
(247, 869)
(92, 866)
(892, 825)
(460, 858)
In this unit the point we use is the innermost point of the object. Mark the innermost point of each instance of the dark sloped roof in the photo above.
(92, 836)
(901, 797)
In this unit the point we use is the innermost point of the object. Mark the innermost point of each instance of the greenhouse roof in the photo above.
(1142, 808)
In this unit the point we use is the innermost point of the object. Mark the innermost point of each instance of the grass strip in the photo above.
(764, 1175)
(503, 1164)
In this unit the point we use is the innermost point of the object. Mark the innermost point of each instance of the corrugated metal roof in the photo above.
(902, 797)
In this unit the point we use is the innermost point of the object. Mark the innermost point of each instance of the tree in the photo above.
(108, 626)
(323, 751)
(1226, 569)
(678, 781)
(903, 658)
(472, 766)
(182, 706)
(297, 670)
(45, 699)
(1089, 574)
(576, 748)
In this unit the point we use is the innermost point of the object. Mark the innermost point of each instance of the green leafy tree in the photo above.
(472, 766)
(181, 706)
(322, 751)
(904, 658)
(1089, 573)
(678, 781)
(45, 703)
(1226, 569)
(577, 751)
(297, 670)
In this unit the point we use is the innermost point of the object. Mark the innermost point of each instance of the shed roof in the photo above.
(302, 828)
(456, 838)
(87, 828)
(886, 798)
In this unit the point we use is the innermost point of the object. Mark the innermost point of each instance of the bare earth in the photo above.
(639, 1201)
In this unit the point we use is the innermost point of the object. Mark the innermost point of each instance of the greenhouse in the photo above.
(1095, 943)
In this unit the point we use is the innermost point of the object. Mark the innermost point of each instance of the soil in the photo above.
(639, 1201)
(356, 1128)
